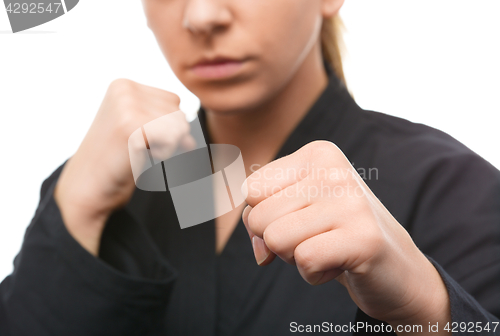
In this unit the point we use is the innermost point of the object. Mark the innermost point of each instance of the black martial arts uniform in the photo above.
(152, 278)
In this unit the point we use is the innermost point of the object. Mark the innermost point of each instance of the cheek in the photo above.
(164, 20)
(283, 30)
(173, 48)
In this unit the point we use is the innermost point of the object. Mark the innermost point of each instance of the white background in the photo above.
(429, 61)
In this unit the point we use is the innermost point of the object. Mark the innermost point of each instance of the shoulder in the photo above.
(400, 133)
(414, 146)
(426, 178)
(412, 164)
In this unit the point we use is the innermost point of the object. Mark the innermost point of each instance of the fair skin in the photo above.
(353, 240)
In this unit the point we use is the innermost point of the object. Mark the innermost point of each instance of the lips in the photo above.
(216, 68)
(215, 61)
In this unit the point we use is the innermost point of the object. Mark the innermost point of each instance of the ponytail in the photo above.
(332, 44)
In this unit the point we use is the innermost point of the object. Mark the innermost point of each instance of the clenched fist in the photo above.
(98, 178)
(313, 210)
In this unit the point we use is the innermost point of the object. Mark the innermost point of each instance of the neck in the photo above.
(260, 132)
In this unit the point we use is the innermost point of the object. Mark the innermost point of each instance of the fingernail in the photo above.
(244, 189)
(244, 216)
(317, 278)
(260, 250)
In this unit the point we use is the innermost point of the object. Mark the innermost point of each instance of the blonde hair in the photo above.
(332, 44)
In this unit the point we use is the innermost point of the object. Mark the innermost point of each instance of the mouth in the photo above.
(217, 68)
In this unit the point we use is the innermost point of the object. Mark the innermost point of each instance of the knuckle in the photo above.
(125, 102)
(183, 127)
(122, 96)
(136, 145)
(304, 256)
(320, 148)
(254, 222)
(136, 140)
(324, 151)
(172, 98)
(126, 123)
(122, 85)
(273, 241)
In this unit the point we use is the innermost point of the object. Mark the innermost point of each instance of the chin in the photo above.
(233, 99)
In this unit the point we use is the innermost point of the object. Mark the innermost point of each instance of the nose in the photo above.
(204, 16)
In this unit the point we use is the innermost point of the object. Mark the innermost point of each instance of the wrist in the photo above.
(431, 303)
(84, 223)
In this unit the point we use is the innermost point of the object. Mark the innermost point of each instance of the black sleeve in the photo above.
(467, 315)
(58, 288)
(456, 224)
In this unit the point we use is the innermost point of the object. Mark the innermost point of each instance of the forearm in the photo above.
(58, 288)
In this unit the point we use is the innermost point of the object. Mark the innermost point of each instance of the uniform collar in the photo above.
(319, 123)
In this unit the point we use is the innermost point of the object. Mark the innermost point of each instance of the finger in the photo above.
(291, 169)
(155, 107)
(324, 257)
(278, 205)
(165, 133)
(286, 233)
(188, 143)
(274, 177)
(244, 217)
(159, 96)
(139, 158)
(263, 255)
(151, 102)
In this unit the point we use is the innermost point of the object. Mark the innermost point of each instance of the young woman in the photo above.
(412, 247)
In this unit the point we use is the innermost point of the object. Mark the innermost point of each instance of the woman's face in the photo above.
(269, 39)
